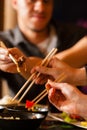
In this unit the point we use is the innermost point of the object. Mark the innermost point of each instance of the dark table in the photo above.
(49, 124)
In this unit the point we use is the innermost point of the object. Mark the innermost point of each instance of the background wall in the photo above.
(7, 15)
(71, 11)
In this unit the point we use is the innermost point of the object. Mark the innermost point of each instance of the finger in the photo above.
(4, 51)
(44, 70)
(8, 68)
(41, 79)
(5, 58)
(66, 89)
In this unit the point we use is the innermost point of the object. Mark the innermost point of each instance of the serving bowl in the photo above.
(20, 120)
(2, 108)
(38, 108)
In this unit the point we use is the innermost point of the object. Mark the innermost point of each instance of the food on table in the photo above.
(84, 123)
(10, 118)
(7, 100)
(29, 104)
(71, 118)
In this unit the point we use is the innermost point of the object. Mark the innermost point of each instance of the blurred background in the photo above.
(74, 11)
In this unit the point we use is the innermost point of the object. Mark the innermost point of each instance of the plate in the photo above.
(57, 116)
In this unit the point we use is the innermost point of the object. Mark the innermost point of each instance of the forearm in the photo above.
(79, 77)
(75, 56)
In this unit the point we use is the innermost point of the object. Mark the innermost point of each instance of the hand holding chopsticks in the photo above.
(60, 78)
(15, 61)
(31, 104)
(45, 63)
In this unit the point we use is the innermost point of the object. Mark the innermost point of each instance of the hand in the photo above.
(69, 100)
(6, 63)
(54, 69)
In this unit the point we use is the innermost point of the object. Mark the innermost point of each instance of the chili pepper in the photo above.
(29, 104)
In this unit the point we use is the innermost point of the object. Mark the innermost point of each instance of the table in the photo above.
(50, 124)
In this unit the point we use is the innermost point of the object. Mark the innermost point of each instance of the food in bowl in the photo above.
(7, 100)
(20, 120)
(38, 108)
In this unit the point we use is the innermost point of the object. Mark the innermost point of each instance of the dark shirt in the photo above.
(67, 36)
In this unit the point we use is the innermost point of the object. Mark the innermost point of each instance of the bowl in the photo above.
(20, 120)
(2, 108)
(38, 108)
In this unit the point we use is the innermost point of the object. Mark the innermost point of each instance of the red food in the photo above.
(29, 104)
(77, 117)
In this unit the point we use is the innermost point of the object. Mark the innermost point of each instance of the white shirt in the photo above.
(49, 43)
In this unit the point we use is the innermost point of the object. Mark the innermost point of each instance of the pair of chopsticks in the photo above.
(36, 100)
(45, 62)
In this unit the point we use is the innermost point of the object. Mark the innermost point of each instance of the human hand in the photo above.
(6, 63)
(69, 99)
(53, 70)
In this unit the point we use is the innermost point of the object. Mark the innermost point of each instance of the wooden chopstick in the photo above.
(49, 56)
(44, 91)
(60, 78)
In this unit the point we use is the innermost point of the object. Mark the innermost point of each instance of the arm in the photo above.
(76, 56)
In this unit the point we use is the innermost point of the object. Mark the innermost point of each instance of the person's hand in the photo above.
(67, 98)
(7, 64)
(54, 69)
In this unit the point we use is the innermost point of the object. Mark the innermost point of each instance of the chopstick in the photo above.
(60, 78)
(44, 62)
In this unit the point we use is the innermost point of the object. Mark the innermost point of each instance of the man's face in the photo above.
(34, 14)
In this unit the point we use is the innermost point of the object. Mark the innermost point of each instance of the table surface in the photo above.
(51, 124)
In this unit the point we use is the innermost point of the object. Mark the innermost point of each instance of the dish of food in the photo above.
(7, 100)
(76, 122)
(43, 109)
(20, 120)
(2, 108)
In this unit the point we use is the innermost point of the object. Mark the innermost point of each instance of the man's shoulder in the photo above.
(9, 33)
(9, 36)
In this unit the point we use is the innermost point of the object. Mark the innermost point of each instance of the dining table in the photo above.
(54, 124)
(50, 124)
(51, 121)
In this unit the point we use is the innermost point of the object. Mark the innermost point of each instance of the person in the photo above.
(35, 35)
(67, 98)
